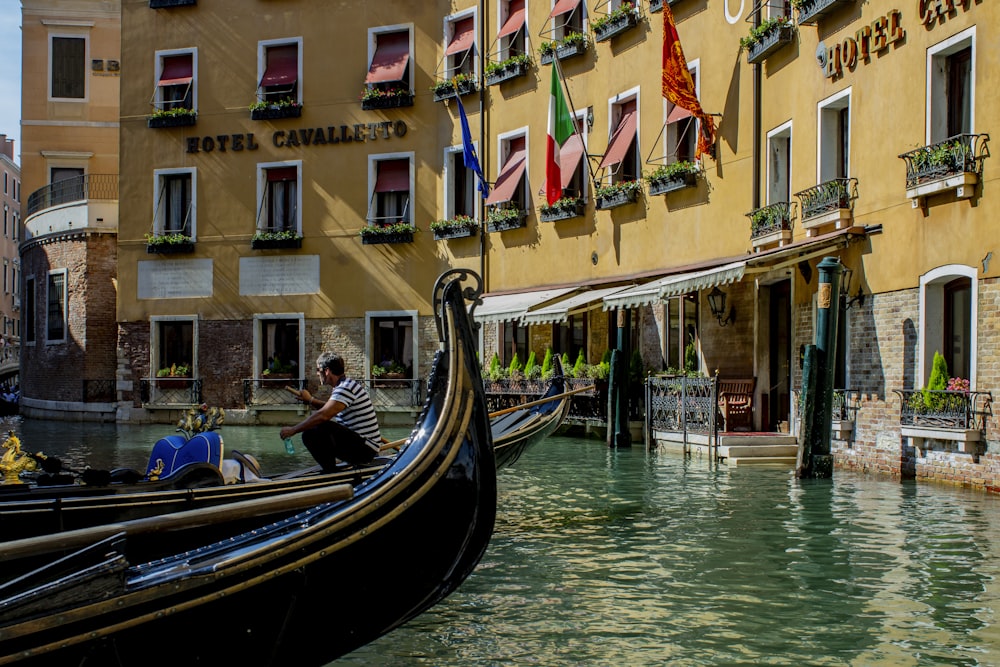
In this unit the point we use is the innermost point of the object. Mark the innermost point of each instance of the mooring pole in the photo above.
(818, 455)
(618, 385)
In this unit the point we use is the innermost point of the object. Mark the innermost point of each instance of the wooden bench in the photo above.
(736, 404)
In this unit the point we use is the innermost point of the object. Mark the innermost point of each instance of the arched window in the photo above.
(948, 314)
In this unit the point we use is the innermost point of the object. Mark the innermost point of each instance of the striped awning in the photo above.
(560, 311)
(507, 307)
(675, 285)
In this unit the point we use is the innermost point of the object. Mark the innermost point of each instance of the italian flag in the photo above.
(561, 128)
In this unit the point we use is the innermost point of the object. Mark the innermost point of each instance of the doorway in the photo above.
(779, 355)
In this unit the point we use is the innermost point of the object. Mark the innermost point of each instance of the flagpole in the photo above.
(572, 107)
(482, 145)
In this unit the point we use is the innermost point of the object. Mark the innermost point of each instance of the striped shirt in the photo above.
(359, 415)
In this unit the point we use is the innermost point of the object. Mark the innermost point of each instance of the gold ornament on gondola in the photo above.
(15, 461)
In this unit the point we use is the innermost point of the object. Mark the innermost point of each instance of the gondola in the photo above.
(517, 429)
(303, 590)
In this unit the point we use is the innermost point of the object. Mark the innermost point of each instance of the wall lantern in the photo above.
(717, 304)
(845, 291)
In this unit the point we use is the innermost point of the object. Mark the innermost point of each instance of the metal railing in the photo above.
(682, 404)
(585, 407)
(828, 196)
(271, 391)
(77, 188)
(769, 219)
(962, 153)
(395, 394)
(944, 409)
(169, 391)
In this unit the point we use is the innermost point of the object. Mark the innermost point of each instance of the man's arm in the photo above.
(329, 410)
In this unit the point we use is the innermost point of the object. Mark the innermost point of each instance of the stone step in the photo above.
(763, 460)
(730, 439)
(746, 451)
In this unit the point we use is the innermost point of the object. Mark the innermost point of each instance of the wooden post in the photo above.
(618, 385)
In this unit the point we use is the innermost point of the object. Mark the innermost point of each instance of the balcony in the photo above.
(392, 395)
(563, 209)
(621, 20)
(953, 165)
(830, 202)
(269, 391)
(88, 202)
(950, 416)
(810, 11)
(767, 38)
(574, 44)
(169, 392)
(771, 224)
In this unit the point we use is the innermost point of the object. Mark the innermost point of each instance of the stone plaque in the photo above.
(175, 279)
(279, 276)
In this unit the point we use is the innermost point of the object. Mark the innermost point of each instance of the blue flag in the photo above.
(469, 151)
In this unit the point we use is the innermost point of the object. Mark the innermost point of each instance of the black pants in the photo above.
(331, 441)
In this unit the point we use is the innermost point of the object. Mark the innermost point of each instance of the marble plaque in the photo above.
(175, 279)
(279, 276)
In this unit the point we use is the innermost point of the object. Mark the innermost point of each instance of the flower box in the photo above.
(509, 71)
(616, 26)
(447, 91)
(655, 6)
(275, 244)
(387, 102)
(172, 120)
(173, 383)
(564, 51)
(616, 199)
(770, 42)
(561, 212)
(502, 225)
(661, 186)
(274, 112)
(170, 248)
(453, 233)
(810, 11)
(394, 237)
(163, 4)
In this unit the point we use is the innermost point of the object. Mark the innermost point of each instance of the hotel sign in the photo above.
(873, 38)
(319, 136)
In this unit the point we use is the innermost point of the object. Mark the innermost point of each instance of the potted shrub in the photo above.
(766, 38)
(391, 97)
(174, 377)
(401, 232)
(619, 20)
(500, 218)
(273, 109)
(164, 244)
(511, 68)
(669, 177)
(571, 45)
(617, 194)
(563, 209)
(176, 117)
(268, 240)
(460, 84)
(457, 227)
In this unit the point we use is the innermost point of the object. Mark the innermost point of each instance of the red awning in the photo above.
(564, 6)
(282, 66)
(282, 174)
(515, 20)
(392, 53)
(177, 70)
(677, 113)
(463, 38)
(393, 176)
(569, 158)
(509, 178)
(620, 140)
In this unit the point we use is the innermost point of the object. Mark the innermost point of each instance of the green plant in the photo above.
(495, 372)
(623, 10)
(174, 371)
(562, 204)
(690, 358)
(446, 85)
(767, 217)
(274, 104)
(547, 48)
(757, 33)
(530, 365)
(176, 111)
(458, 222)
(599, 371)
(636, 367)
(378, 370)
(387, 230)
(580, 365)
(499, 214)
(574, 38)
(374, 92)
(167, 239)
(515, 365)
(280, 235)
(666, 172)
(547, 364)
(621, 187)
(494, 67)
(938, 381)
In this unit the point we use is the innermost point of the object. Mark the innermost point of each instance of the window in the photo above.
(681, 127)
(390, 176)
(6, 286)
(392, 342)
(67, 184)
(572, 166)
(175, 81)
(278, 345)
(621, 160)
(951, 87)
(280, 197)
(570, 337)
(460, 37)
(459, 185)
(835, 137)
(510, 189)
(172, 343)
(68, 67)
(511, 39)
(281, 71)
(28, 311)
(566, 18)
(681, 333)
(55, 323)
(5, 216)
(515, 341)
(175, 202)
(778, 8)
(5, 177)
(779, 164)
(948, 316)
(389, 58)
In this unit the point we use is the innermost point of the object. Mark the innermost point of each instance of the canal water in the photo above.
(628, 557)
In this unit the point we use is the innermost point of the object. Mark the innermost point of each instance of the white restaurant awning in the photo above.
(507, 307)
(561, 310)
(682, 283)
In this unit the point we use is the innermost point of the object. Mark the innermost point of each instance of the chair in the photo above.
(736, 404)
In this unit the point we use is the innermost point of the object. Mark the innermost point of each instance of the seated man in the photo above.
(345, 427)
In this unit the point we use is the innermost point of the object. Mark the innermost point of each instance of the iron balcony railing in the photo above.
(945, 409)
(395, 394)
(170, 391)
(827, 197)
(846, 403)
(271, 391)
(769, 219)
(78, 188)
(682, 404)
(960, 154)
(585, 407)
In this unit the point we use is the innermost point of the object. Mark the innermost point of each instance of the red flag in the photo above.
(678, 86)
